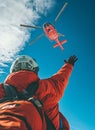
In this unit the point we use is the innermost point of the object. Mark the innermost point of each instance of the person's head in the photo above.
(24, 62)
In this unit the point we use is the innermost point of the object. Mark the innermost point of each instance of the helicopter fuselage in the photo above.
(52, 34)
(50, 31)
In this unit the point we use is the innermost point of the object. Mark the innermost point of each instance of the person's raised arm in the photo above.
(60, 79)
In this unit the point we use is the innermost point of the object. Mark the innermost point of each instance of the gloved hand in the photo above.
(71, 60)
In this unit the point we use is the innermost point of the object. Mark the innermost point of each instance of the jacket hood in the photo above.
(21, 79)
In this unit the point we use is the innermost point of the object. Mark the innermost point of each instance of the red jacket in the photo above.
(50, 90)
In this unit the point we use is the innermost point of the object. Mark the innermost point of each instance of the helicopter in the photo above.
(50, 31)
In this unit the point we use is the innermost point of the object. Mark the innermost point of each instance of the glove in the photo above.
(71, 60)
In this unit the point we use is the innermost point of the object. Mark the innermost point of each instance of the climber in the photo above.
(18, 114)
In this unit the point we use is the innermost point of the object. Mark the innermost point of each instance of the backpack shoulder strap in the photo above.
(10, 90)
(29, 91)
(32, 88)
(10, 93)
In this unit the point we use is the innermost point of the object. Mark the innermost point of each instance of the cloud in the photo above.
(1, 72)
(12, 14)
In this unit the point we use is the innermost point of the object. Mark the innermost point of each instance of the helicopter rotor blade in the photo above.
(61, 11)
(29, 26)
(37, 38)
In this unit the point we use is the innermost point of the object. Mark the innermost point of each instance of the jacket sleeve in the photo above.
(54, 87)
(60, 79)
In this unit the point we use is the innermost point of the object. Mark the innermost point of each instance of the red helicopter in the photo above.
(50, 30)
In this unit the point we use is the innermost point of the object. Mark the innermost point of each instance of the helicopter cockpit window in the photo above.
(46, 24)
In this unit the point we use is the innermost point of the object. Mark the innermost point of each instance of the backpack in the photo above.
(17, 109)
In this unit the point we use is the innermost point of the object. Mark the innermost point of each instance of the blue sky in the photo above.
(77, 23)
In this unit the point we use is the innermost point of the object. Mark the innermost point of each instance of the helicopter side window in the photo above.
(48, 30)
